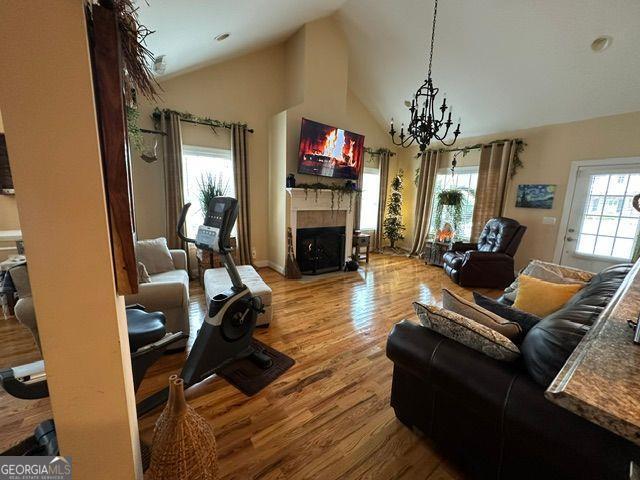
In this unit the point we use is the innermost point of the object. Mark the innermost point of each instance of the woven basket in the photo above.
(184, 447)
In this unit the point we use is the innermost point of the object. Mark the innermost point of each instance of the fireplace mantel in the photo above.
(298, 199)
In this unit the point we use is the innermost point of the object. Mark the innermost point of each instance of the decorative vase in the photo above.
(291, 181)
(184, 446)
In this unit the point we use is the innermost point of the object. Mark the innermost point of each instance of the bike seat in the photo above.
(144, 328)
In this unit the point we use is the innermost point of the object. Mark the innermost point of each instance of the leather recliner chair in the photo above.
(488, 263)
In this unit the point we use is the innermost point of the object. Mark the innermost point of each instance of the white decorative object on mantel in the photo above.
(299, 200)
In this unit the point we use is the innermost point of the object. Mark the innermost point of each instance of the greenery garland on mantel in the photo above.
(516, 164)
(340, 190)
(157, 113)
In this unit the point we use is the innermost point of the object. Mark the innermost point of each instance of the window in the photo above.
(465, 178)
(609, 224)
(197, 164)
(370, 198)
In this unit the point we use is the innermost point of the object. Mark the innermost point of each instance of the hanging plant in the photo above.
(453, 199)
(133, 129)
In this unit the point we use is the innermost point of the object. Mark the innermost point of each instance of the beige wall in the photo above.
(246, 89)
(547, 159)
(256, 89)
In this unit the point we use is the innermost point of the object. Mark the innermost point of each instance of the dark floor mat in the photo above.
(248, 377)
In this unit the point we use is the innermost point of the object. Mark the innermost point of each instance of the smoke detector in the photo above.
(222, 36)
(159, 65)
(600, 44)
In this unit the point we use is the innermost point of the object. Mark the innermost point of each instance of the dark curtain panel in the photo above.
(174, 191)
(493, 175)
(376, 244)
(424, 199)
(241, 179)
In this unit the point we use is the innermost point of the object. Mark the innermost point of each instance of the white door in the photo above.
(602, 226)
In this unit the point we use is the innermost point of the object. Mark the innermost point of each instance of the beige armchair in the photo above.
(168, 292)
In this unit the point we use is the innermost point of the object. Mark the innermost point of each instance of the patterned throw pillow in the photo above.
(143, 275)
(457, 304)
(467, 332)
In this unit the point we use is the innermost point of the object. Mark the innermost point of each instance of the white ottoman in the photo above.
(217, 280)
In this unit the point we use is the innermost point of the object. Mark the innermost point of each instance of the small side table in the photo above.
(360, 241)
(433, 251)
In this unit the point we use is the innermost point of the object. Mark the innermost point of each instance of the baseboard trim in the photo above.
(261, 263)
(276, 267)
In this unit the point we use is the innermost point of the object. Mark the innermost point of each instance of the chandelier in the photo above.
(426, 124)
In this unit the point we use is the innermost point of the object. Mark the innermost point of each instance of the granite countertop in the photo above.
(601, 379)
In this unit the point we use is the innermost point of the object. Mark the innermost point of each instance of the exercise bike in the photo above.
(227, 330)
(148, 340)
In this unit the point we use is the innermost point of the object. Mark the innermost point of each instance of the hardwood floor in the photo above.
(328, 417)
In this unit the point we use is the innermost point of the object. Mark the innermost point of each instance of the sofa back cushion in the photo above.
(549, 344)
(155, 255)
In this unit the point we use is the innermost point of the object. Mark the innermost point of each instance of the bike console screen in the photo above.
(218, 223)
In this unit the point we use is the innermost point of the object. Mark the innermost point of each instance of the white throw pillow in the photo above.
(155, 255)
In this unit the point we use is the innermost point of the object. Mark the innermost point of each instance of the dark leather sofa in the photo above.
(488, 263)
(490, 417)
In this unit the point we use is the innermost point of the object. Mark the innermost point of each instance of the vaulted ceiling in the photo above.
(505, 64)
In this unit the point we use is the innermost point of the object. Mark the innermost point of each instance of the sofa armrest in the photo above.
(179, 259)
(158, 296)
(446, 363)
(419, 350)
(464, 246)
(476, 256)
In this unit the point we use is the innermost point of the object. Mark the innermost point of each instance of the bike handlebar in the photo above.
(181, 220)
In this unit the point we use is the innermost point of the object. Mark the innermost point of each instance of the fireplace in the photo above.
(320, 249)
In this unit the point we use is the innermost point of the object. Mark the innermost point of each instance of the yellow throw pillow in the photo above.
(542, 298)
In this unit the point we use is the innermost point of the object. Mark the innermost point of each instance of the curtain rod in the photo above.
(197, 122)
(478, 146)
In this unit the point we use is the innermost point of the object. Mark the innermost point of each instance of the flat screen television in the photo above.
(329, 151)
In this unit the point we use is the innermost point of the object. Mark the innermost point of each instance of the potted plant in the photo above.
(352, 264)
(453, 200)
(210, 186)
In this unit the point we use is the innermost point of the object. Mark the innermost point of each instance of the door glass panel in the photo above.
(617, 184)
(599, 184)
(590, 224)
(603, 246)
(627, 207)
(609, 223)
(608, 226)
(627, 227)
(623, 248)
(586, 244)
(634, 184)
(613, 206)
(594, 205)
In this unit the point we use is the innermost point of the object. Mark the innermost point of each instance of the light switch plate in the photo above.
(549, 220)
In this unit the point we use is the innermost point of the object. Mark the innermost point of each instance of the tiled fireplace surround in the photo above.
(306, 210)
